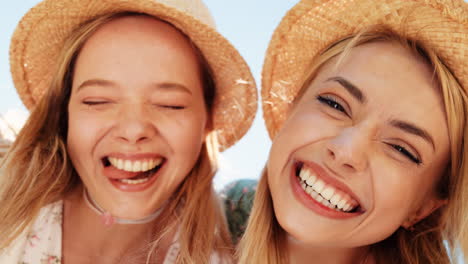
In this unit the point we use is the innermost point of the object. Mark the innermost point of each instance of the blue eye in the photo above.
(406, 153)
(331, 102)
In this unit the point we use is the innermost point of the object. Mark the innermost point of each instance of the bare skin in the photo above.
(136, 95)
(87, 240)
(355, 141)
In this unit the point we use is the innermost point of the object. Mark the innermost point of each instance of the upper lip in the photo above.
(332, 180)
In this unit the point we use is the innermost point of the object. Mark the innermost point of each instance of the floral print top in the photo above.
(41, 242)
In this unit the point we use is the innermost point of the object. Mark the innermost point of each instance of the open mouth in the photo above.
(323, 192)
(134, 171)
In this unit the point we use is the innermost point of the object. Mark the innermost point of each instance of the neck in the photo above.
(108, 219)
(85, 234)
(301, 253)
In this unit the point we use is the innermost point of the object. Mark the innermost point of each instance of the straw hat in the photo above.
(41, 33)
(313, 25)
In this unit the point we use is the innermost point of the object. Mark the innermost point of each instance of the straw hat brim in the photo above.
(313, 25)
(41, 33)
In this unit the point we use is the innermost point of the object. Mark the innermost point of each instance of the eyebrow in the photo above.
(175, 86)
(107, 83)
(351, 88)
(95, 82)
(413, 129)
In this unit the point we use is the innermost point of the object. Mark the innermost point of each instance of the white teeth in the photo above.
(129, 181)
(326, 203)
(319, 199)
(347, 207)
(315, 195)
(311, 180)
(318, 186)
(335, 199)
(328, 193)
(307, 176)
(135, 166)
(128, 166)
(324, 193)
(304, 175)
(145, 166)
(341, 204)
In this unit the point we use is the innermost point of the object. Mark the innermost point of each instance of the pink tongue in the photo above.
(114, 173)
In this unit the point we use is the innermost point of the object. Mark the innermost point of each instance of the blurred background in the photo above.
(247, 24)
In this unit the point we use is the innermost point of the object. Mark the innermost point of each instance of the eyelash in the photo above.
(172, 107)
(91, 103)
(405, 152)
(331, 102)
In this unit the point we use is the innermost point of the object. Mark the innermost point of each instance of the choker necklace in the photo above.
(109, 219)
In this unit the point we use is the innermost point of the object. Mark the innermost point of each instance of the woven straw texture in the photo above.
(41, 33)
(312, 25)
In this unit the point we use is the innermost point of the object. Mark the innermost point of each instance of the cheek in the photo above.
(302, 128)
(187, 135)
(401, 190)
(82, 136)
(396, 192)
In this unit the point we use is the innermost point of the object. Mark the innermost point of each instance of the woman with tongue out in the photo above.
(366, 102)
(131, 102)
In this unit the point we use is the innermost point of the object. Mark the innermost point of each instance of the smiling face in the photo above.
(361, 151)
(137, 115)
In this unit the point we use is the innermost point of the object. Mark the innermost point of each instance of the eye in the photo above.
(331, 102)
(94, 102)
(406, 153)
(173, 107)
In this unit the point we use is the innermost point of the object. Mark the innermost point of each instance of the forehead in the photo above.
(397, 85)
(138, 48)
(387, 71)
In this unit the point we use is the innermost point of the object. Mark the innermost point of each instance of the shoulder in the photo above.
(41, 241)
(238, 199)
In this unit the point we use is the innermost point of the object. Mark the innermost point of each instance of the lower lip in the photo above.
(312, 204)
(135, 187)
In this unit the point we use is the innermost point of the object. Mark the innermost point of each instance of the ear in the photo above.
(425, 210)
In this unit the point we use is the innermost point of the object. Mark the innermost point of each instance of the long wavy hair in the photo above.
(37, 170)
(440, 238)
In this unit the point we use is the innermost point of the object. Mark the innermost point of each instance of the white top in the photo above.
(41, 242)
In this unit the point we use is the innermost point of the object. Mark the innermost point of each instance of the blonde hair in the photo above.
(37, 170)
(264, 240)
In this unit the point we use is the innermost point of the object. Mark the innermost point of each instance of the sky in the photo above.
(247, 24)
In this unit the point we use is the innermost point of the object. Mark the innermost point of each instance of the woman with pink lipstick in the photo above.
(366, 103)
(130, 103)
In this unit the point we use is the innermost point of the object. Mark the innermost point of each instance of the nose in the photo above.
(347, 151)
(134, 125)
